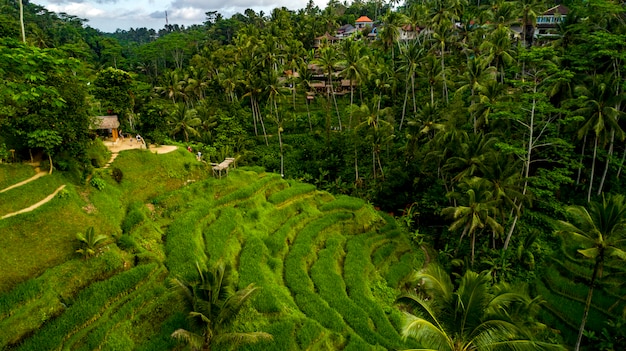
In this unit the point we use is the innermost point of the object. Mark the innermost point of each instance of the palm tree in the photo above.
(602, 116)
(173, 86)
(502, 173)
(328, 61)
(600, 230)
(411, 54)
(475, 316)
(499, 50)
(377, 131)
(353, 64)
(475, 77)
(469, 155)
(477, 209)
(488, 97)
(214, 306)
(90, 242)
(390, 31)
(529, 10)
(184, 120)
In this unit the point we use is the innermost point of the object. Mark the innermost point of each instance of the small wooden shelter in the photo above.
(109, 123)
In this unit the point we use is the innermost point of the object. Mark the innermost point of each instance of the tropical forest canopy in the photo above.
(499, 146)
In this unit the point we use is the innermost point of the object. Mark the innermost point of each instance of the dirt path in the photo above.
(132, 144)
(36, 176)
(36, 205)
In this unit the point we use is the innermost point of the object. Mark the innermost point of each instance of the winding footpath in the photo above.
(36, 176)
(115, 148)
(36, 205)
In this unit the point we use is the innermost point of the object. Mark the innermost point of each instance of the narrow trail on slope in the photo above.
(36, 176)
(35, 206)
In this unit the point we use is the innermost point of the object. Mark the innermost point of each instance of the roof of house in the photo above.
(106, 122)
(560, 9)
(410, 27)
(327, 36)
(363, 19)
(345, 28)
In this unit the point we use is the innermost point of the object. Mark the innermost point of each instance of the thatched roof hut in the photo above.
(111, 123)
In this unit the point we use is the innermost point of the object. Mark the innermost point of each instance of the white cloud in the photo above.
(109, 15)
(81, 10)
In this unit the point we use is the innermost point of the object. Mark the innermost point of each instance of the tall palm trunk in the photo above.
(607, 163)
(593, 167)
(582, 155)
(351, 102)
(406, 98)
(596, 270)
(308, 114)
(332, 92)
(22, 22)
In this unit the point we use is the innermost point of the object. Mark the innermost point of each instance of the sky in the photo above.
(109, 15)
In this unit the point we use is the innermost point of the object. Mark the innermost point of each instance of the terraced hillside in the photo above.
(328, 267)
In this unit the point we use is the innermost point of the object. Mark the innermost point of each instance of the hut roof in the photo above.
(363, 19)
(560, 9)
(105, 122)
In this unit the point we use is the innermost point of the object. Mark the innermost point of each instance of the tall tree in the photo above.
(599, 101)
(327, 60)
(477, 209)
(601, 231)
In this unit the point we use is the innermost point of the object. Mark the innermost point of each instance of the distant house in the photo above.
(363, 22)
(345, 31)
(548, 21)
(317, 42)
(108, 123)
(409, 32)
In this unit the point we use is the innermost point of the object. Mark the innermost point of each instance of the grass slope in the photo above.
(325, 281)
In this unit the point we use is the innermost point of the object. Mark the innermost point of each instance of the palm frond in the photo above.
(426, 333)
(194, 340)
(234, 339)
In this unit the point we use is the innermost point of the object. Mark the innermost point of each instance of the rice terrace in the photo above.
(327, 267)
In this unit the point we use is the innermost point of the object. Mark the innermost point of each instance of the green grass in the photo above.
(12, 173)
(90, 302)
(29, 193)
(292, 241)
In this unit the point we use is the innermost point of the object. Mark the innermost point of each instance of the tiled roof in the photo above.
(364, 19)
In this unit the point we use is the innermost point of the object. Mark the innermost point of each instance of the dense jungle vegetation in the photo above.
(459, 189)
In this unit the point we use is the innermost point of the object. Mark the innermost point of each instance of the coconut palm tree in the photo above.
(476, 315)
(475, 77)
(477, 208)
(601, 115)
(184, 120)
(410, 56)
(214, 306)
(327, 60)
(353, 65)
(600, 230)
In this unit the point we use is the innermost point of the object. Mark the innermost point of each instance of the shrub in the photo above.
(98, 183)
(117, 174)
(134, 217)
